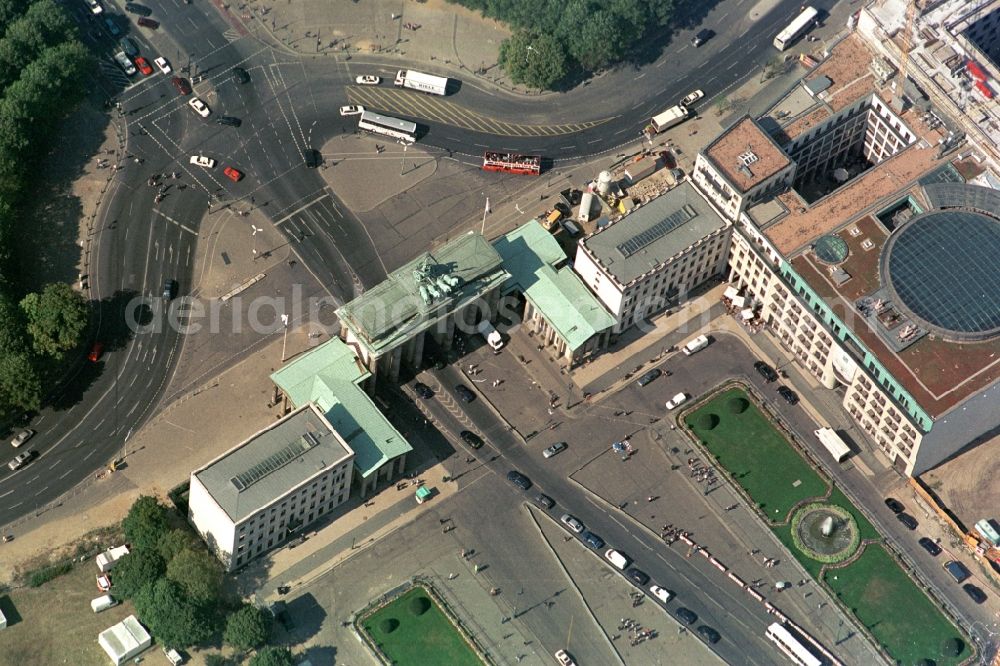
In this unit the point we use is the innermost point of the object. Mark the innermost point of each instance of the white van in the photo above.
(616, 559)
(103, 603)
(695, 345)
(492, 335)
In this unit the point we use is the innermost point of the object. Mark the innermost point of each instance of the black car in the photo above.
(687, 616)
(129, 46)
(423, 390)
(928, 544)
(709, 634)
(518, 479)
(766, 371)
(545, 501)
(593, 540)
(702, 37)
(169, 289)
(649, 376)
(139, 10)
(909, 521)
(894, 505)
(788, 394)
(471, 438)
(313, 158)
(975, 592)
(465, 394)
(241, 75)
(229, 120)
(637, 576)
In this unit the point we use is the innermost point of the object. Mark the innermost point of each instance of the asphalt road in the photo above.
(739, 619)
(741, 623)
(286, 109)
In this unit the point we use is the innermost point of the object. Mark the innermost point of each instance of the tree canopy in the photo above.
(57, 318)
(533, 59)
(44, 71)
(136, 570)
(174, 619)
(273, 656)
(146, 523)
(569, 35)
(197, 573)
(247, 628)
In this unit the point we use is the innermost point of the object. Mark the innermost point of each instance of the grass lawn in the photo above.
(429, 638)
(757, 456)
(876, 590)
(53, 624)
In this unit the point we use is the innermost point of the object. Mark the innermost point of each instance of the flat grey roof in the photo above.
(272, 462)
(651, 235)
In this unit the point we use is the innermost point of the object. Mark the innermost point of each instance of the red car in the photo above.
(143, 66)
(182, 85)
(148, 23)
(233, 174)
(95, 352)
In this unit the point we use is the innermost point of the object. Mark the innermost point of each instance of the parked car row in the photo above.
(616, 558)
(956, 569)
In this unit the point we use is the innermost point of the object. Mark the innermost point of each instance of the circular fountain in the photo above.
(825, 532)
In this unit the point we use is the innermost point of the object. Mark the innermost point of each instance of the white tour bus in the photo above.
(796, 28)
(403, 130)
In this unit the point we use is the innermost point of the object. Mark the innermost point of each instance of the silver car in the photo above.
(554, 449)
(21, 438)
(572, 523)
(19, 460)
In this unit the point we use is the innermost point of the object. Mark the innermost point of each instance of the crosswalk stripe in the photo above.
(446, 112)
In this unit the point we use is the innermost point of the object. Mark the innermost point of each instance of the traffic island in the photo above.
(412, 625)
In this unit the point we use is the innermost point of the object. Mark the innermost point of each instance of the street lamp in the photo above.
(254, 236)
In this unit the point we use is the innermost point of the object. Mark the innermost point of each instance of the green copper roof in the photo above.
(330, 376)
(530, 254)
(403, 304)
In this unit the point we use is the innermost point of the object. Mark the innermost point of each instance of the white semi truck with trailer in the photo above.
(428, 83)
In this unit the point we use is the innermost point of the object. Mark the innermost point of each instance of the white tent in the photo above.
(739, 301)
(731, 293)
(747, 314)
(124, 640)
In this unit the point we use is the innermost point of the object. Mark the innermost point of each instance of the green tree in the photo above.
(215, 659)
(146, 523)
(533, 59)
(20, 383)
(174, 542)
(136, 570)
(247, 628)
(273, 656)
(594, 37)
(57, 319)
(43, 25)
(174, 619)
(197, 573)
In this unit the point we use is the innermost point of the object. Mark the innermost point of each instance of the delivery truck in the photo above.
(428, 83)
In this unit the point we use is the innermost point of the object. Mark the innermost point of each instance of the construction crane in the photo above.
(904, 58)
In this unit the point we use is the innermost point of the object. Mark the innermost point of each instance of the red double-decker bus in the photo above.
(526, 165)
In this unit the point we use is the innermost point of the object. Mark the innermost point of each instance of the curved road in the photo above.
(287, 108)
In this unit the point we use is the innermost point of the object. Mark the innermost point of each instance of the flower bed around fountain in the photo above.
(825, 532)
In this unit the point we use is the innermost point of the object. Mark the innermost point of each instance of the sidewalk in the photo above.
(450, 39)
